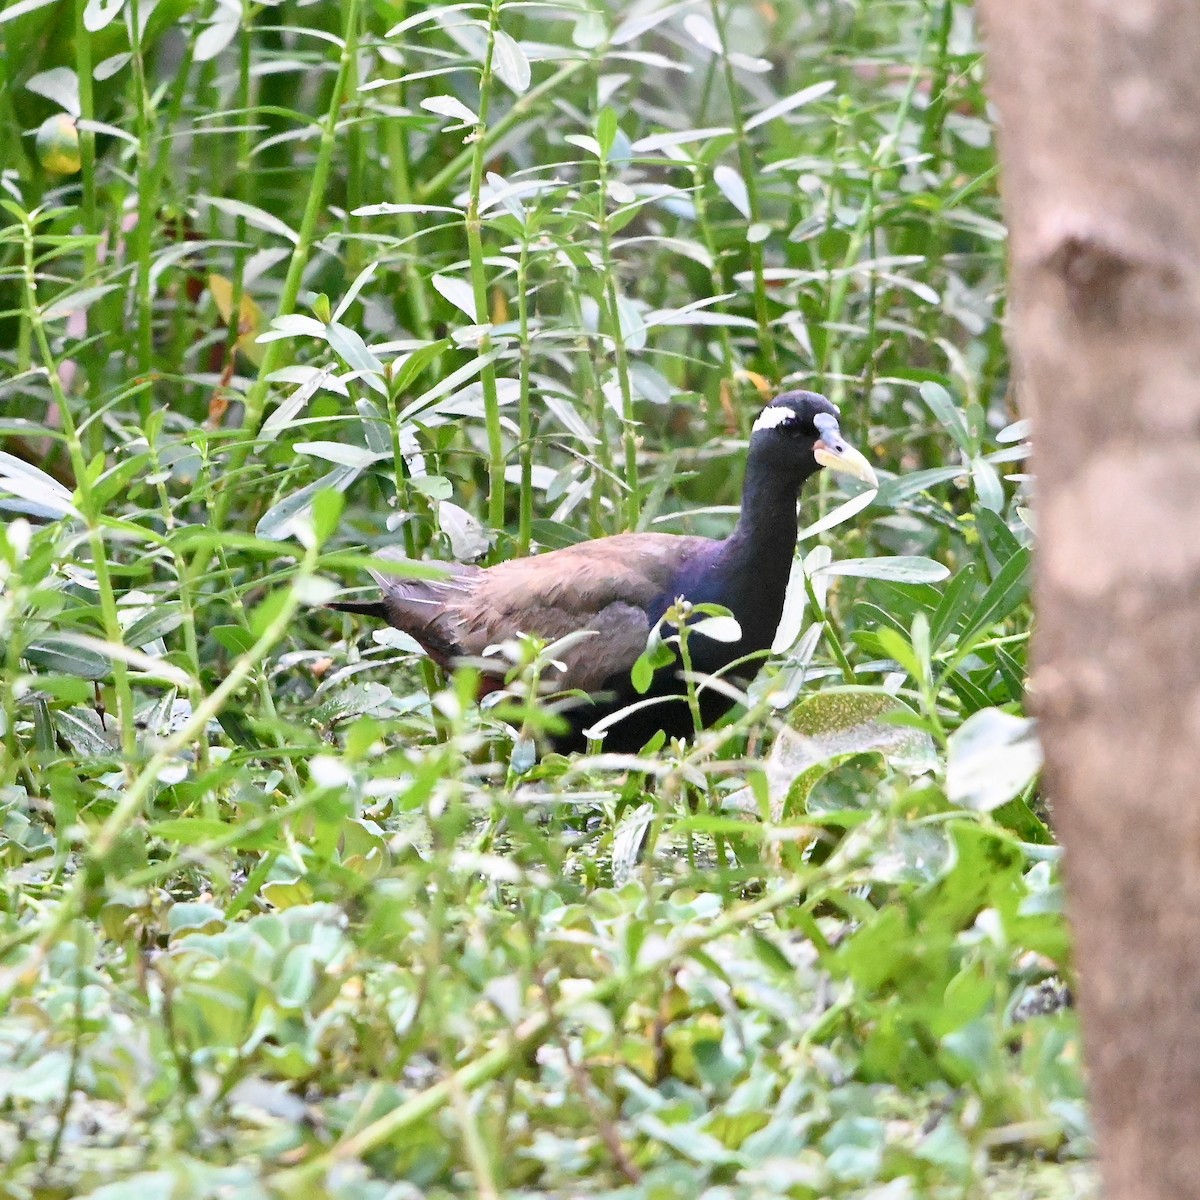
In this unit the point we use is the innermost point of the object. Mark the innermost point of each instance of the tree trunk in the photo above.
(1099, 106)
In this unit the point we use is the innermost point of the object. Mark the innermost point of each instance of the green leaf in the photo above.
(66, 657)
(194, 917)
(1007, 590)
(327, 511)
(719, 628)
(234, 638)
(972, 697)
(99, 13)
(805, 95)
(951, 417)
(993, 757)
(38, 494)
(255, 217)
(999, 542)
(448, 106)
(281, 519)
(344, 454)
(897, 647)
(988, 487)
(733, 188)
(898, 568)
(459, 292)
(510, 62)
(657, 654)
(954, 600)
(606, 130)
(266, 611)
(555, 534)
(827, 729)
(155, 623)
(406, 370)
(189, 831)
(22, 7)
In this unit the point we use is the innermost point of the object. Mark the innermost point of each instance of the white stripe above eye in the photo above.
(774, 416)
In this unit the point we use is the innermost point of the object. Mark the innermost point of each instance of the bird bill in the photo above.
(832, 452)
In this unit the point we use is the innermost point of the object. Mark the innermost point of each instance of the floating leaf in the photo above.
(830, 727)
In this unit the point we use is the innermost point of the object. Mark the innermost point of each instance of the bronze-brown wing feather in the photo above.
(604, 585)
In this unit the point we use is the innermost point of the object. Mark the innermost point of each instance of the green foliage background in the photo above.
(283, 913)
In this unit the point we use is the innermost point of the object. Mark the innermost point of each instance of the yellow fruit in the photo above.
(58, 145)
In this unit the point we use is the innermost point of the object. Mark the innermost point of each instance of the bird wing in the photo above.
(425, 608)
(606, 586)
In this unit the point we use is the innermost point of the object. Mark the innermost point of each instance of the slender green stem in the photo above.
(405, 496)
(146, 196)
(356, 166)
(243, 182)
(438, 182)
(884, 156)
(750, 178)
(524, 417)
(89, 508)
(633, 497)
(256, 397)
(720, 280)
(90, 216)
(87, 139)
(243, 667)
(187, 599)
(415, 289)
(487, 376)
(831, 633)
(77, 1036)
(935, 111)
(693, 698)
(593, 399)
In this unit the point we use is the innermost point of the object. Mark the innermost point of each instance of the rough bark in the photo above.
(1099, 108)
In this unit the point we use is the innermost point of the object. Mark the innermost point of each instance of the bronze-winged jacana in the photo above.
(619, 587)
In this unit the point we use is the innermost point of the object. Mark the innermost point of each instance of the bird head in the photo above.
(800, 432)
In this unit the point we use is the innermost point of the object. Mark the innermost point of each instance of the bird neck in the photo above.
(757, 556)
(764, 538)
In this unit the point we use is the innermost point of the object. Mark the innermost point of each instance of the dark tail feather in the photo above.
(363, 608)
